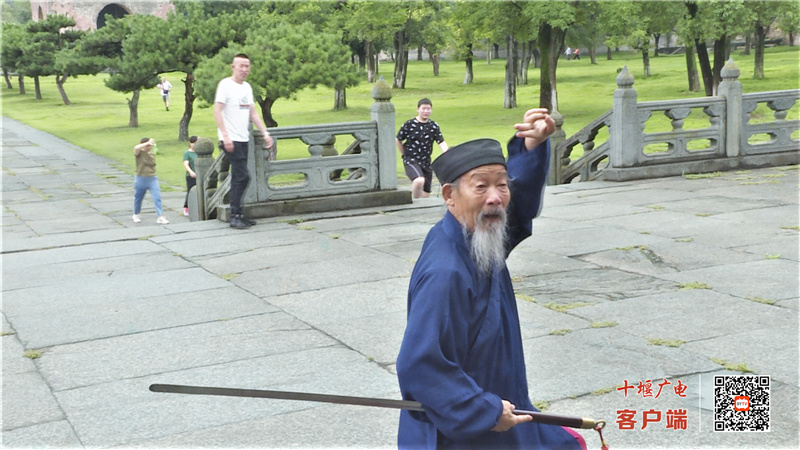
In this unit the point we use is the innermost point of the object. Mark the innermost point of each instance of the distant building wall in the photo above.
(90, 14)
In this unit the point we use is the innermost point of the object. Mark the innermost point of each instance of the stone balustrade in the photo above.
(619, 145)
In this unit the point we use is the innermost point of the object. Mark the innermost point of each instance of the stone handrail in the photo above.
(725, 143)
(779, 131)
(588, 166)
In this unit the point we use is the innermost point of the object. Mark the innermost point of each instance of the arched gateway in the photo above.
(92, 15)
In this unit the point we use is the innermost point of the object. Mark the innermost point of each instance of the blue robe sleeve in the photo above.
(527, 172)
(431, 370)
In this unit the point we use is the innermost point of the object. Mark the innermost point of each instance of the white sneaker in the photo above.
(136, 218)
(162, 220)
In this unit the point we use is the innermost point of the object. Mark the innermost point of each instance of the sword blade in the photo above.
(539, 417)
(288, 395)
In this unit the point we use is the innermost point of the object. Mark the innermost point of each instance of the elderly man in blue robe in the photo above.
(462, 354)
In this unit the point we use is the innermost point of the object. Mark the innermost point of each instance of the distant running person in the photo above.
(415, 143)
(165, 87)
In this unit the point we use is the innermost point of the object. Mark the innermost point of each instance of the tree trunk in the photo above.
(646, 61)
(608, 53)
(705, 66)
(702, 55)
(37, 88)
(401, 60)
(340, 99)
(404, 73)
(470, 74)
(419, 53)
(721, 46)
(527, 54)
(266, 111)
(60, 80)
(550, 42)
(7, 78)
(758, 68)
(510, 91)
(21, 80)
(495, 51)
(691, 70)
(748, 42)
(435, 62)
(656, 37)
(188, 108)
(370, 63)
(592, 53)
(133, 110)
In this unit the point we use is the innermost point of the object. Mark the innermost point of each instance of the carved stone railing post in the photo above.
(558, 136)
(626, 128)
(197, 204)
(382, 112)
(731, 89)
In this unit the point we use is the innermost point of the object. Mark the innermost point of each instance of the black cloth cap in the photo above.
(464, 157)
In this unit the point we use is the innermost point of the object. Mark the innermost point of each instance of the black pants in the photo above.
(190, 182)
(240, 177)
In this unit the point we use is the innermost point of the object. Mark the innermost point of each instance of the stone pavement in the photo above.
(669, 280)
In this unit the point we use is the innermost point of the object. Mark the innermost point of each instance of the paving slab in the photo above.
(289, 279)
(200, 344)
(687, 315)
(55, 434)
(589, 286)
(776, 278)
(301, 247)
(311, 427)
(27, 401)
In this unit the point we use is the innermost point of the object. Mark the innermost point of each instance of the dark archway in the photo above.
(116, 11)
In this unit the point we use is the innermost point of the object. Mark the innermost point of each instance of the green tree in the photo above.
(434, 31)
(42, 41)
(374, 23)
(717, 21)
(636, 23)
(285, 59)
(69, 63)
(181, 42)
(130, 72)
(327, 17)
(767, 14)
(553, 19)
(15, 11)
(11, 51)
(467, 25)
(789, 22)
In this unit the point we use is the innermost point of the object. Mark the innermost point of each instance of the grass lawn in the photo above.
(97, 120)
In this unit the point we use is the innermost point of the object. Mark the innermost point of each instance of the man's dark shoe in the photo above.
(249, 222)
(236, 222)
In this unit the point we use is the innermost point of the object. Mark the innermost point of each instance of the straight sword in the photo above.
(539, 417)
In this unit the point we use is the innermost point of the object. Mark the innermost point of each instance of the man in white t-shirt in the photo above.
(165, 87)
(233, 110)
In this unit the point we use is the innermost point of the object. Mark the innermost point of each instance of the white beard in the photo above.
(487, 243)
